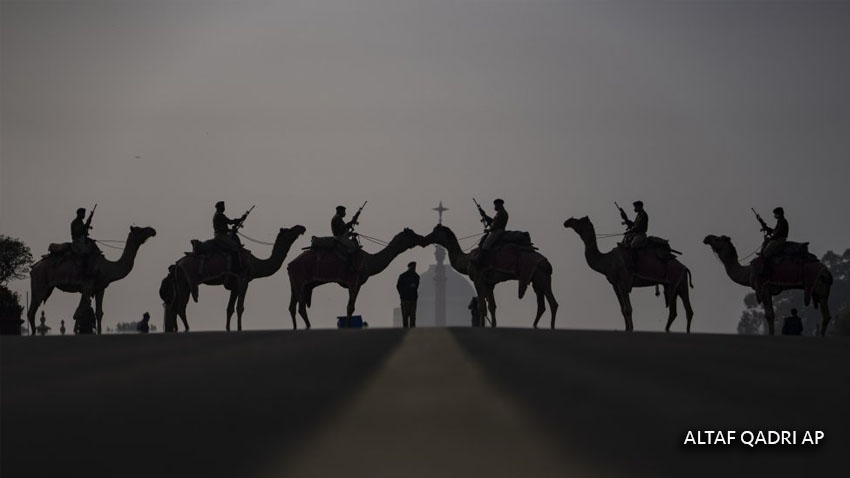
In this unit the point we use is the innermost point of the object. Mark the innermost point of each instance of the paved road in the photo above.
(432, 402)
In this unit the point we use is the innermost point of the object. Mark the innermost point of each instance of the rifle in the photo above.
(623, 215)
(481, 212)
(764, 228)
(356, 218)
(88, 221)
(242, 220)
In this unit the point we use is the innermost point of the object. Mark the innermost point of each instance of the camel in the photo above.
(671, 274)
(812, 277)
(313, 268)
(186, 278)
(61, 271)
(528, 267)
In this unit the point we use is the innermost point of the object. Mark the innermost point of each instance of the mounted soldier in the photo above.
(775, 237)
(225, 236)
(635, 236)
(343, 232)
(81, 244)
(494, 228)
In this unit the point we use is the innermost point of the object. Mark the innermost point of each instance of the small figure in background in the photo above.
(408, 292)
(42, 328)
(792, 325)
(84, 318)
(62, 327)
(143, 327)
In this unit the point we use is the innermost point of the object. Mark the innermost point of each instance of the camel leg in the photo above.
(491, 304)
(231, 304)
(240, 305)
(98, 308)
(672, 306)
(302, 311)
(625, 307)
(685, 295)
(352, 300)
(769, 313)
(824, 312)
(482, 304)
(293, 304)
(546, 287)
(38, 298)
(553, 305)
(541, 306)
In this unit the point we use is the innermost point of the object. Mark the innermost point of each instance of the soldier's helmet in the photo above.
(219, 205)
(81, 211)
(779, 211)
(638, 204)
(499, 202)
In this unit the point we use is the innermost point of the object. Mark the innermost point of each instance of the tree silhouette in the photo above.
(15, 259)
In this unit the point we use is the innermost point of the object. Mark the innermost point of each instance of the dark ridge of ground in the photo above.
(625, 401)
(199, 404)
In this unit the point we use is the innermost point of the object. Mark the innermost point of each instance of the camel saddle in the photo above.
(323, 243)
(657, 245)
(521, 239)
(797, 250)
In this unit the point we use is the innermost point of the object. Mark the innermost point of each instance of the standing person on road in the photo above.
(408, 292)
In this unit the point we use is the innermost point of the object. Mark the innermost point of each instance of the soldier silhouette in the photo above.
(635, 235)
(792, 325)
(408, 292)
(84, 318)
(774, 240)
(343, 231)
(225, 237)
(62, 327)
(143, 326)
(81, 245)
(494, 229)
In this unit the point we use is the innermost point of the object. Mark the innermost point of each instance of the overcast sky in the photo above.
(155, 110)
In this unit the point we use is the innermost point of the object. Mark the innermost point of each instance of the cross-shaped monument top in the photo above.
(440, 210)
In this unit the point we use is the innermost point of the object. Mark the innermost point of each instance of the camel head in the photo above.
(407, 239)
(441, 235)
(138, 235)
(582, 226)
(723, 247)
(289, 234)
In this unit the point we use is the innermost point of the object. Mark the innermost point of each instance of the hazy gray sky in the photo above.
(700, 109)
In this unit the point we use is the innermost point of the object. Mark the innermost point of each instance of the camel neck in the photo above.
(116, 270)
(597, 260)
(376, 263)
(261, 268)
(737, 272)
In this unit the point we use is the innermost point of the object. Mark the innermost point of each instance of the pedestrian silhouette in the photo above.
(143, 326)
(62, 328)
(408, 292)
(792, 325)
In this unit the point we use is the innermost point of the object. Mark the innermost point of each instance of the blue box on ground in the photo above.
(353, 322)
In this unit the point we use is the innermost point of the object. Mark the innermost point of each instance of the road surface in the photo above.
(428, 402)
